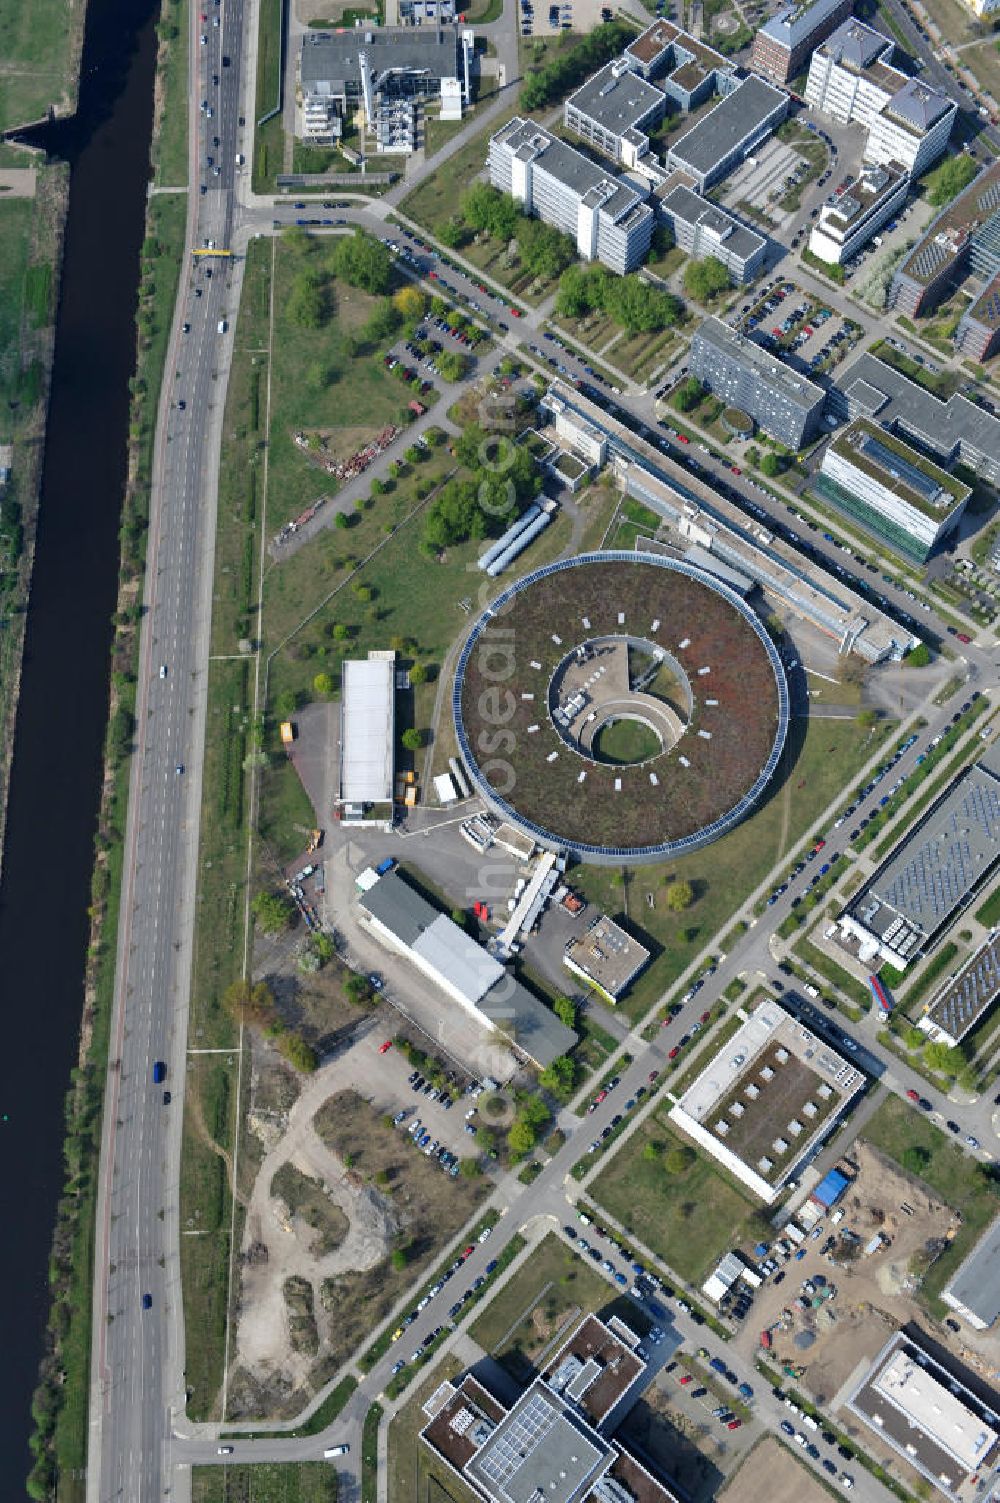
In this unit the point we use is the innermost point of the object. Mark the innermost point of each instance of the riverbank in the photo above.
(31, 246)
(61, 1403)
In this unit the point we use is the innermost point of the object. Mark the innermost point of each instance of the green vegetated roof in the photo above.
(743, 724)
(956, 492)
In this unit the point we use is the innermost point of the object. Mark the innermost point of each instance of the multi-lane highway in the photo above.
(138, 1338)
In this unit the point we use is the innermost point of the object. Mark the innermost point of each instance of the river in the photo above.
(55, 777)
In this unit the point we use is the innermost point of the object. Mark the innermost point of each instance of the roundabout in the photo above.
(624, 707)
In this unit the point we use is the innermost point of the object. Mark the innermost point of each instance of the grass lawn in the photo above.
(518, 1326)
(16, 220)
(955, 1176)
(170, 142)
(38, 44)
(273, 1482)
(269, 139)
(434, 201)
(687, 1219)
(415, 1474)
(984, 61)
(956, 24)
(813, 770)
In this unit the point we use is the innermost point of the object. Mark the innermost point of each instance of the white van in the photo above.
(809, 1422)
(223, 326)
(332, 1451)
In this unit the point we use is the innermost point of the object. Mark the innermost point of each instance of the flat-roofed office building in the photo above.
(688, 71)
(729, 132)
(957, 239)
(929, 1417)
(786, 405)
(607, 218)
(956, 429)
(974, 1292)
(848, 220)
(701, 228)
(897, 494)
(612, 110)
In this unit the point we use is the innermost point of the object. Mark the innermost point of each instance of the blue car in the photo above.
(621, 1279)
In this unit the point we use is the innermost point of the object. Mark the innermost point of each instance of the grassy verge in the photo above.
(170, 135)
(414, 1471)
(30, 255)
(967, 1186)
(929, 976)
(321, 1417)
(834, 973)
(269, 139)
(60, 1407)
(688, 1219)
(270, 1482)
(989, 913)
(369, 1454)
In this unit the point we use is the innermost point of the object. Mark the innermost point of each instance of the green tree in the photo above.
(565, 1010)
(340, 632)
(651, 1152)
(250, 1003)
(363, 261)
(451, 365)
(323, 948)
(358, 989)
(918, 657)
(272, 911)
(521, 1138)
(867, 719)
(544, 250)
(771, 465)
(399, 1258)
(488, 210)
(297, 1052)
(459, 917)
(914, 1159)
(307, 303)
(705, 279)
(453, 233)
(418, 674)
(943, 1059)
(688, 394)
(678, 896)
(413, 739)
(318, 375)
(323, 683)
(559, 1077)
(678, 1160)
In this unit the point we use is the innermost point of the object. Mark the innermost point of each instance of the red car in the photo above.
(653, 1075)
(468, 1252)
(682, 438)
(673, 1052)
(384, 1048)
(734, 1424)
(736, 469)
(433, 275)
(685, 1379)
(516, 312)
(705, 1017)
(913, 1095)
(963, 636)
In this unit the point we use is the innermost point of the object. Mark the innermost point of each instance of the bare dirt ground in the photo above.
(875, 1294)
(771, 1472)
(350, 1189)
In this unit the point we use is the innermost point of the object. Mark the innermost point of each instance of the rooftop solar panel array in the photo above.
(525, 1433)
(944, 867)
(971, 992)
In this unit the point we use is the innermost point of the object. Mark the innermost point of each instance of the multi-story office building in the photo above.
(966, 233)
(782, 45)
(978, 332)
(607, 218)
(956, 429)
(848, 220)
(688, 72)
(372, 67)
(852, 79)
(729, 132)
(896, 494)
(701, 228)
(612, 111)
(786, 405)
(851, 75)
